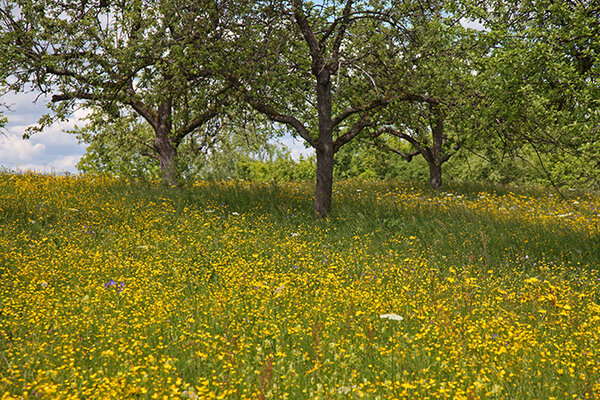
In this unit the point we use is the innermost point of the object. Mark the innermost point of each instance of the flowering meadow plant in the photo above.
(231, 291)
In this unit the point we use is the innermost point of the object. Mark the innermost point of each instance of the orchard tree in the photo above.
(305, 65)
(118, 57)
(440, 61)
(120, 145)
(543, 77)
(424, 129)
(123, 145)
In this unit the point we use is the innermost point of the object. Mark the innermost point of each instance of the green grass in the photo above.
(232, 290)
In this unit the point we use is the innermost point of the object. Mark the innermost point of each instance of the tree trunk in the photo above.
(435, 174)
(434, 158)
(167, 156)
(324, 148)
(324, 185)
(164, 146)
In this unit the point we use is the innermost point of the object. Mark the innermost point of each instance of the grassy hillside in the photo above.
(231, 290)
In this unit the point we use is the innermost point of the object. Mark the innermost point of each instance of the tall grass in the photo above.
(230, 290)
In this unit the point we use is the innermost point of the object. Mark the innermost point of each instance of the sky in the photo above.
(54, 150)
(50, 151)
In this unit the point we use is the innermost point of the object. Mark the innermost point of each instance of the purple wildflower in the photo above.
(119, 286)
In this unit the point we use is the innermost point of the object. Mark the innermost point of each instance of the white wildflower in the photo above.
(189, 393)
(346, 389)
(391, 316)
(564, 215)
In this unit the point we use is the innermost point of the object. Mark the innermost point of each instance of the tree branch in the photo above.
(353, 110)
(377, 103)
(453, 151)
(352, 132)
(202, 118)
(421, 149)
(408, 157)
(285, 119)
(147, 113)
(72, 96)
(194, 124)
(309, 36)
(337, 42)
(273, 114)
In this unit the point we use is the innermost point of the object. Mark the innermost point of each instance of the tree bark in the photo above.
(165, 146)
(325, 148)
(435, 154)
(324, 186)
(435, 174)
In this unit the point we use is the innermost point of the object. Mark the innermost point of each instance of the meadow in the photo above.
(115, 289)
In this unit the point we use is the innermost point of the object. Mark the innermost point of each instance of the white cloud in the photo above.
(67, 163)
(54, 134)
(13, 149)
(24, 108)
(52, 150)
(58, 165)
